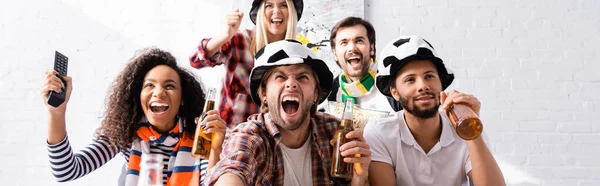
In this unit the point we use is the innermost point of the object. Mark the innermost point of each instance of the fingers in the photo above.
(213, 119)
(214, 130)
(234, 17)
(51, 83)
(355, 147)
(443, 96)
(459, 97)
(356, 134)
(212, 123)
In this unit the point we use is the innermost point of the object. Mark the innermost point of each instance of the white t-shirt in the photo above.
(391, 142)
(297, 165)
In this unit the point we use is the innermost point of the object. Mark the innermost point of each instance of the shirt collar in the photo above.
(447, 131)
(446, 138)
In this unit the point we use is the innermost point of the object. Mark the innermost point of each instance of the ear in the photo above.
(394, 92)
(334, 54)
(262, 95)
(372, 50)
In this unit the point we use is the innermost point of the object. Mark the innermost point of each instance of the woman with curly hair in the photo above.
(151, 110)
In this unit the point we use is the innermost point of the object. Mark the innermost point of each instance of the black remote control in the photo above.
(60, 65)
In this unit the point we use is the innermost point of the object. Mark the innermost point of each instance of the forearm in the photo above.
(214, 44)
(485, 170)
(228, 179)
(67, 166)
(360, 181)
(214, 157)
(56, 128)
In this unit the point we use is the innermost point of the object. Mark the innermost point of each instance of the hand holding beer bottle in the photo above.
(339, 168)
(462, 111)
(210, 129)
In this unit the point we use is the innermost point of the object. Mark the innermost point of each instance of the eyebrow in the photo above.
(166, 81)
(302, 72)
(426, 72)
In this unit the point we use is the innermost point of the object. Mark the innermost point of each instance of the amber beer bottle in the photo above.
(468, 126)
(339, 168)
(202, 142)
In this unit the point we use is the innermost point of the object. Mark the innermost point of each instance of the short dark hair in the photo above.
(263, 88)
(352, 21)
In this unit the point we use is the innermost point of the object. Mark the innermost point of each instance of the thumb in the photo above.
(443, 99)
(241, 14)
(443, 96)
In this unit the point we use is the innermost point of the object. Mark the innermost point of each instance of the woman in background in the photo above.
(275, 20)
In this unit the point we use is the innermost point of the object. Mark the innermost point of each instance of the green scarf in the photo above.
(359, 88)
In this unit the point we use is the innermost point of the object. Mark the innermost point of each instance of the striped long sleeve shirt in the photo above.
(67, 166)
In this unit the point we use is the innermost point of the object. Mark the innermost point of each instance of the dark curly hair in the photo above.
(124, 109)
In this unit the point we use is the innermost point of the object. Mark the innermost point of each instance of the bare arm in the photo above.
(215, 125)
(229, 179)
(56, 115)
(485, 170)
(381, 174)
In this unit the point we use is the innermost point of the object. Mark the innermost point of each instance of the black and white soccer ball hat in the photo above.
(402, 50)
(288, 52)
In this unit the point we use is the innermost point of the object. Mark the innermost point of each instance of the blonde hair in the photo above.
(260, 38)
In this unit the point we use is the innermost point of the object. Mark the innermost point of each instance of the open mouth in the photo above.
(353, 61)
(290, 105)
(276, 21)
(158, 107)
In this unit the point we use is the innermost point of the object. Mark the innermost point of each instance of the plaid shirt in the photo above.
(252, 154)
(238, 60)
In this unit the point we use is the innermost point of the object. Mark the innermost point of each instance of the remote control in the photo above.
(60, 65)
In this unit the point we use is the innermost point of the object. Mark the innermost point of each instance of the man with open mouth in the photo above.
(288, 143)
(353, 45)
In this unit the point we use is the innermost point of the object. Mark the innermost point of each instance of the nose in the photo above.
(423, 85)
(158, 92)
(351, 47)
(276, 10)
(291, 84)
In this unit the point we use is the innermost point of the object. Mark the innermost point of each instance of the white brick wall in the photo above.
(532, 63)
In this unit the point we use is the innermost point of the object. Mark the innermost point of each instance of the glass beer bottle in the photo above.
(151, 169)
(468, 126)
(202, 141)
(339, 168)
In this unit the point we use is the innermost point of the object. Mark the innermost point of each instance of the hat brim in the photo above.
(383, 82)
(318, 66)
(299, 4)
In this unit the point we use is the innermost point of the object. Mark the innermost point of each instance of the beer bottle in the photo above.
(202, 142)
(467, 125)
(339, 168)
(151, 168)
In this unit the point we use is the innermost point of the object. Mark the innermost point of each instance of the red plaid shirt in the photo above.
(238, 60)
(252, 154)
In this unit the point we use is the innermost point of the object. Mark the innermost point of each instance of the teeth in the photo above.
(290, 99)
(278, 20)
(156, 104)
(351, 58)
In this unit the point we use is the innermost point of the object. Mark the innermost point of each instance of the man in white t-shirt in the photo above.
(419, 146)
